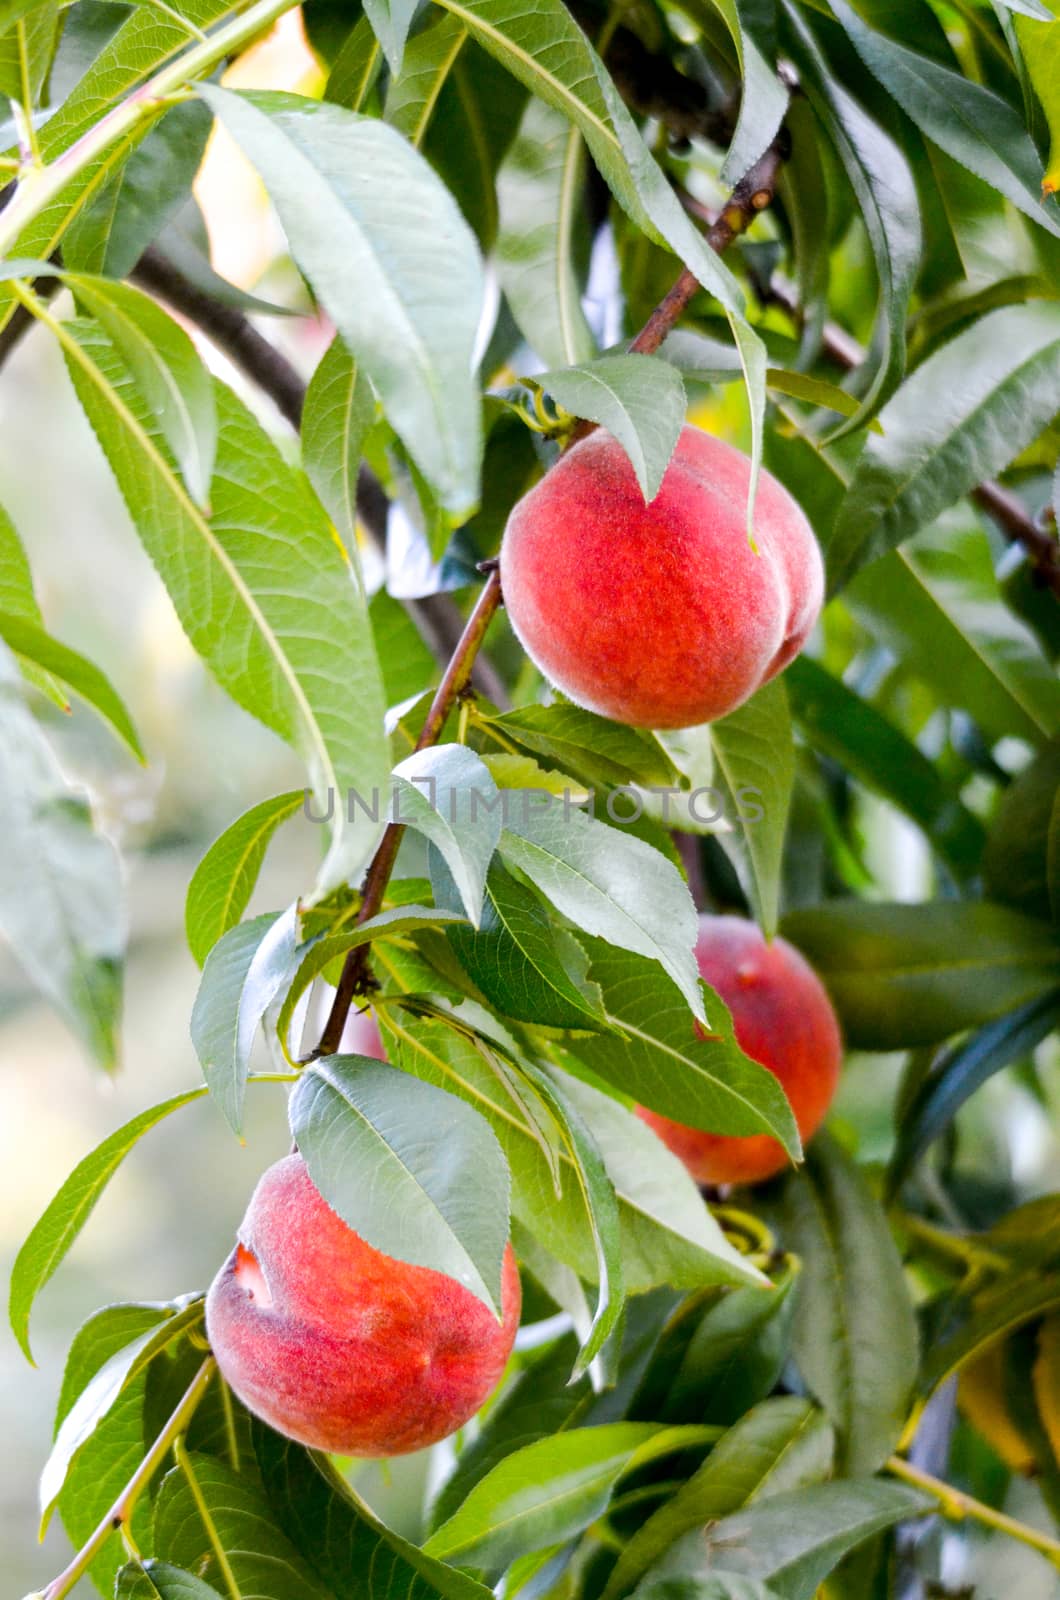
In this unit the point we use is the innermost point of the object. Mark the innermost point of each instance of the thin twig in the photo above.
(119, 1516)
(455, 681)
(958, 1507)
(752, 195)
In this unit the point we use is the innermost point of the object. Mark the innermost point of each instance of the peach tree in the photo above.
(538, 236)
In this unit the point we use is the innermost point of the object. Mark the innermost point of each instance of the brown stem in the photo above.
(1011, 516)
(752, 194)
(457, 677)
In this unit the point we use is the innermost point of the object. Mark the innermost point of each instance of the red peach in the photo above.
(783, 1018)
(341, 1347)
(659, 615)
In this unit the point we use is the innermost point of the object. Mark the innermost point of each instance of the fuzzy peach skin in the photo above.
(659, 615)
(341, 1347)
(784, 1019)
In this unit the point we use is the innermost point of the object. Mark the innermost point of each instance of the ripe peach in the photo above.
(339, 1346)
(659, 615)
(784, 1019)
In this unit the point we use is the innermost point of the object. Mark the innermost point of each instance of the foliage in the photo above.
(484, 201)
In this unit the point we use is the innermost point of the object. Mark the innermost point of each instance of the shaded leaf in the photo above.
(903, 975)
(866, 744)
(755, 753)
(790, 1541)
(854, 1333)
(61, 904)
(963, 415)
(886, 194)
(542, 248)
(160, 1580)
(960, 1071)
(972, 124)
(339, 410)
(778, 1446)
(350, 1550)
(263, 1561)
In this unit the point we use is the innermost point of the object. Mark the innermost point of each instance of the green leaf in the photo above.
(406, 662)
(243, 974)
(850, 730)
(416, 84)
(524, 964)
(111, 233)
(262, 589)
(668, 1236)
(263, 1561)
(356, 68)
(62, 1220)
(611, 885)
(160, 1580)
(1021, 864)
(17, 599)
(938, 599)
(591, 748)
(755, 752)
(1019, 1298)
(339, 410)
(396, 267)
(659, 1057)
(31, 644)
(390, 21)
(102, 1392)
(884, 188)
(972, 124)
(1040, 48)
(26, 53)
(815, 392)
(963, 415)
(547, 51)
(855, 1337)
(763, 98)
(601, 1207)
(539, 1402)
(61, 903)
(223, 882)
(904, 975)
(105, 1333)
(350, 1550)
(790, 1541)
(550, 1491)
(542, 243)
(640, 400)
(960, 1071)
(441, 1203)
(736, 1353)
(460, 812)
(314, 958)
(778, 1446)
(146, 40)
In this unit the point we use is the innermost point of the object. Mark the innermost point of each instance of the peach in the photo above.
(660, 615)
(341, 1347)
(783, 1018)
